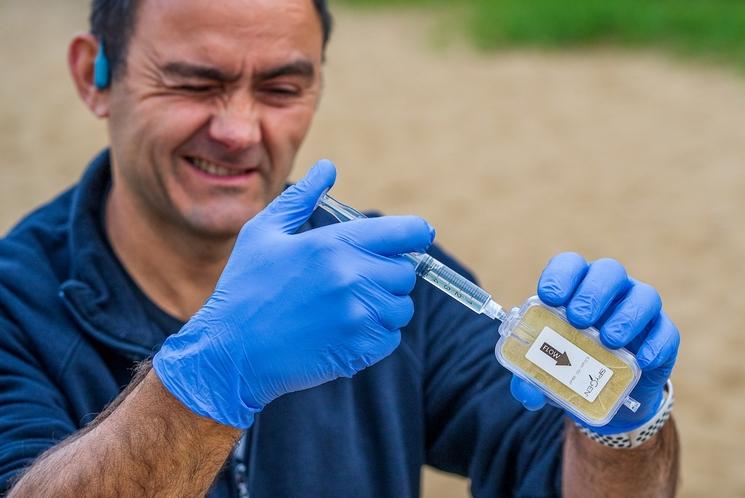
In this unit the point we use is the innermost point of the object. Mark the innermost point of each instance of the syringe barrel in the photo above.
(451, 283)
(428, 268)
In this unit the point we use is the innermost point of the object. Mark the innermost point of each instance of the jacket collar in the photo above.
(99, 293)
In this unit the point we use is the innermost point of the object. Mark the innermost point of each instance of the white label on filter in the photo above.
(569, 364)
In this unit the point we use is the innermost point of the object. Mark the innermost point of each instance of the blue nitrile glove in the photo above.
(294, 310)
(628, 314)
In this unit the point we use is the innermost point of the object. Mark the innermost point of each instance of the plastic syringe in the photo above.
(441, 276)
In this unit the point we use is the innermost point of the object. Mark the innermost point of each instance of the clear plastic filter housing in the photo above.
(571, 366)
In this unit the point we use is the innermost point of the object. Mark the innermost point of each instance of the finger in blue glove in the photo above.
(526, 393)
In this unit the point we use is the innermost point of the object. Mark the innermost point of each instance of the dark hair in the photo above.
(113, 22)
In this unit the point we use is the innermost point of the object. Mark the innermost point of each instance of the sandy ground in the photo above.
(512, 156)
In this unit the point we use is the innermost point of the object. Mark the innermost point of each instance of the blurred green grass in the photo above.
(712, 29)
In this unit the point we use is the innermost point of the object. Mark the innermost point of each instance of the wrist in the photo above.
(152, 397)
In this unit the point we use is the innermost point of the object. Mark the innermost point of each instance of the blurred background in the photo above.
(519, 129)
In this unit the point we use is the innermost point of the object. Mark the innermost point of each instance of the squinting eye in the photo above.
(286, 91)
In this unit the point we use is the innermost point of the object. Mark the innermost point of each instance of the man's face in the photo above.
(215, 101)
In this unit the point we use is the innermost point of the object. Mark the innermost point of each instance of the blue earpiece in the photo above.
(101, 69)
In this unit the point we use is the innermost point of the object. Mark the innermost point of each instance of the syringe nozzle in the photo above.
(494, 311)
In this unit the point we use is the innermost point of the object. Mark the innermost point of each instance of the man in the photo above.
(259, 317)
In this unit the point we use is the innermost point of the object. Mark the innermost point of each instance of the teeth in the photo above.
(212, 169)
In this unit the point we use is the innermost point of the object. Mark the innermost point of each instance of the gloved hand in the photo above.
(627, 313)
(293, 311)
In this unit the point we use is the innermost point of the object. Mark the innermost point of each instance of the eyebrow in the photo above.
(300, 67)
(189, 70)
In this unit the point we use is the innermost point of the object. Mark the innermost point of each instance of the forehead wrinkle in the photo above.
(216, 34)
(247, 17)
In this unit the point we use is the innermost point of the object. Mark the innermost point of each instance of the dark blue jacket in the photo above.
(72, 324)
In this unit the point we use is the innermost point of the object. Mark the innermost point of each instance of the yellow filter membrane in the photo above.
(524, 336)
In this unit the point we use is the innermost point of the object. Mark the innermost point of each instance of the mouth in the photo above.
(213, 169)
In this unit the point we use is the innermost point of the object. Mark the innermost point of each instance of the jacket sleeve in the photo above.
(475, 427)
(33, 414)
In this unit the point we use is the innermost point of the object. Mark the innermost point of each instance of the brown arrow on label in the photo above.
(562, 359)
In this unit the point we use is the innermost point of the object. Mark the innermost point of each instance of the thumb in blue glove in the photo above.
(294, 310)
(627, 313)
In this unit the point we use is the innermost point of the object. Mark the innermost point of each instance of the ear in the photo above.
(81, 59)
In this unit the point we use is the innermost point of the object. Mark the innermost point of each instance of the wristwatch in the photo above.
(637, 437)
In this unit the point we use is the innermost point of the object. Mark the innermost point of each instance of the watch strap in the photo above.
(639, 436)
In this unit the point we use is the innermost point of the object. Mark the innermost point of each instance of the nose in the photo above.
(237, 125)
